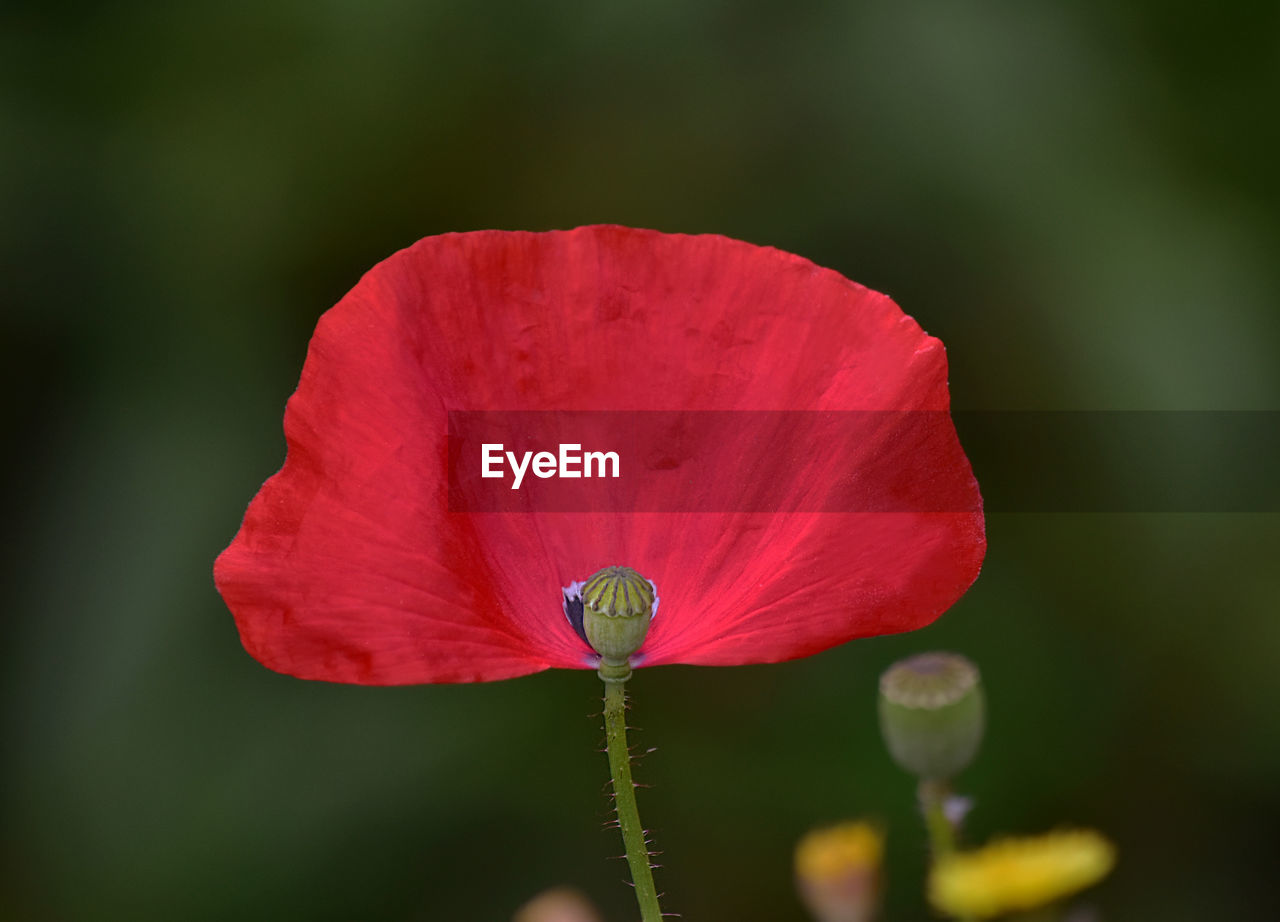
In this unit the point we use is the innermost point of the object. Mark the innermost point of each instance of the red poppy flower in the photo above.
(355, 563)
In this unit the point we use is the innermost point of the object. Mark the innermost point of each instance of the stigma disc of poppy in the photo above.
(351, 567)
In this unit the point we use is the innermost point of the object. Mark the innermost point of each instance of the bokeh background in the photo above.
(1080, 199)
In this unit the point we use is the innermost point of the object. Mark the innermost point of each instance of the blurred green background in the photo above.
(1080, 199)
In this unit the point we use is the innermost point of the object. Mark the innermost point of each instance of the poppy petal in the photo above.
(351, 566)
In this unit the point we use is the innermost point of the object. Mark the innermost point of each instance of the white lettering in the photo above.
(599, 457)
(568, 458)
(519, 468)
(491, 454)
(544, 464)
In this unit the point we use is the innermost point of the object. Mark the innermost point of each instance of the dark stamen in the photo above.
(573, 611)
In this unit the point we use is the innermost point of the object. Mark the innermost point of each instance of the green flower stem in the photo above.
(942, 835)
(624, 792)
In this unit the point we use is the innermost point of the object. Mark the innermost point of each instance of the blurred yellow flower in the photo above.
(1022, 873)
(838, 871)
(832, 852)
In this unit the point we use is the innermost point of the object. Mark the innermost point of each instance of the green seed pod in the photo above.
(618, 604)
(932, 714)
